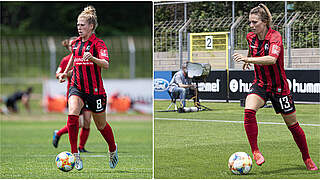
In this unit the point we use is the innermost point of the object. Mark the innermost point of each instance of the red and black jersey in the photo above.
(270, 77)
(86, 75)
(62, 67)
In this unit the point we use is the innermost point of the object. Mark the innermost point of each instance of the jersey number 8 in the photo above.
(99, 105)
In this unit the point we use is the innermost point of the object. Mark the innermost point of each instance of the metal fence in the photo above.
(279, 23)
(299, 30)
(31, 57)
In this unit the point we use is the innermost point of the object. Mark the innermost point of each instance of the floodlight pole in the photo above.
(180, 41)
(232, 43)
(232, 12)
(132, 57)
(285, 11)
(288, 32)
(52, 49)
(185, 12)
(231, 64)
(285, 19)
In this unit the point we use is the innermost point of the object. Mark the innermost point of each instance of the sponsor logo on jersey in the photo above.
(103, 53)
(80, 61)
(160, 84)
(275, 50)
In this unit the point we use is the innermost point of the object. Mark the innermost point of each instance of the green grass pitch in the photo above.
(26, 149)
(186, 147)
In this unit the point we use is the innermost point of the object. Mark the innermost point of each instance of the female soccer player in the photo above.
(266, 53)
(89, 55)
(85, 116)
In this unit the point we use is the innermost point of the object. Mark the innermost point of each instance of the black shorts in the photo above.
(94, 103)
(11, 104)
(281, 103)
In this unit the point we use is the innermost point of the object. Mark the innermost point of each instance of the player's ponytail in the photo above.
(89, 13)
(264, 14)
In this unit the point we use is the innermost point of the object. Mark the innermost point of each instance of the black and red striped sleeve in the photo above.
(275, 44)
(102, 50)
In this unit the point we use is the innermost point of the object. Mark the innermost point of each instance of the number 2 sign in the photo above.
(209, 43)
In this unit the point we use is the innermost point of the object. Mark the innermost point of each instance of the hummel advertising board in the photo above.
(304, 85)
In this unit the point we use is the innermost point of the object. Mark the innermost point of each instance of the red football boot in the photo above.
(257, 156)
(310, 165)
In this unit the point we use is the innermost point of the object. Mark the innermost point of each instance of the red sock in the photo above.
(83, 137)
(300, 139)
(73, 129)
(62, 131)
(251, 127)
(108, 136)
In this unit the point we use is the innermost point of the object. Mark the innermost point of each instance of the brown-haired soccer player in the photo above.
(89, 55)
(266, 53)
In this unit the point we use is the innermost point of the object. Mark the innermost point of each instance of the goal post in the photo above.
(212, 48)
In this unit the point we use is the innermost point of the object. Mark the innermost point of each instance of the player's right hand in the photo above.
(62, 76)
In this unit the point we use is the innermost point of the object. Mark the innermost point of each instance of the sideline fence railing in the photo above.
(29, 57)
(300, 34)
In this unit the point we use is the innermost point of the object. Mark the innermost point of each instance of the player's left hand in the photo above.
(246, 66)
(61, 77)
(87, 56)
(238, 58)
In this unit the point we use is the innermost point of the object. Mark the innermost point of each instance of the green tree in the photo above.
(204, 10)
(59, 18)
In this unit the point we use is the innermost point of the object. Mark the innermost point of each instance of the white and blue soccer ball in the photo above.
(240, 163)
(65, 161)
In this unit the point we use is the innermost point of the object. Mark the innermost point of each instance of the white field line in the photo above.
(85, 155)
(53, 155)
(225, 121)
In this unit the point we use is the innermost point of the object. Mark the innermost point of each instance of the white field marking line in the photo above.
(91, 156)
(224, 121)
(47, 155)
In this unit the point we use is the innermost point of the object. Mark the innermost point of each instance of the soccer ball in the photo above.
(65, 161)
(240, 163)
